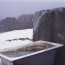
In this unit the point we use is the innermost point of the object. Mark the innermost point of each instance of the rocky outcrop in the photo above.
(50, 26)
(59, 34)
(36, 16)
(44, 26)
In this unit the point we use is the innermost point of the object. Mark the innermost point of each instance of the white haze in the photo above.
(14, 8)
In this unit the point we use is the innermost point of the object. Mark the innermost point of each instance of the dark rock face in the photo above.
(44, 27)
(36, 16)
(59, 24)
(51, 27)
(59, 32)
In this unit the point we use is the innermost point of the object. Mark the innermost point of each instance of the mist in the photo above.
(16, 8)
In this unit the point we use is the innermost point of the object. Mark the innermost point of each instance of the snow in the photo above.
(28, 33)
(10, 44)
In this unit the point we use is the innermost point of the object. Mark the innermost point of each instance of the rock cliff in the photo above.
(50, 26)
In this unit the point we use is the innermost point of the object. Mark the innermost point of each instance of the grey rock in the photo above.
(44, 26)
(50, 26)
(59, 34)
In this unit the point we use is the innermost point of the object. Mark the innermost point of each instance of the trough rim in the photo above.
(56, 45)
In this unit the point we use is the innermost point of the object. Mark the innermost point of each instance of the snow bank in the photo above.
(28, 33)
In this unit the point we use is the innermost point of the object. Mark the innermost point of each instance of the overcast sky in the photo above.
(14, 8)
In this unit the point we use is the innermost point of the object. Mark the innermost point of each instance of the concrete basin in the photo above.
(35, 53)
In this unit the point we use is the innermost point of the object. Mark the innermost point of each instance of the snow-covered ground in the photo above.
(28, 33)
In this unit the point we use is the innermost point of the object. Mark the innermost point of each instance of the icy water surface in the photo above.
(16, 53)
(28, 49)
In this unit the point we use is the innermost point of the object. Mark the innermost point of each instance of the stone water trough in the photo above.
(35, 53)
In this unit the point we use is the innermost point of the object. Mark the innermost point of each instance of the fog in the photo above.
(15, 8)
